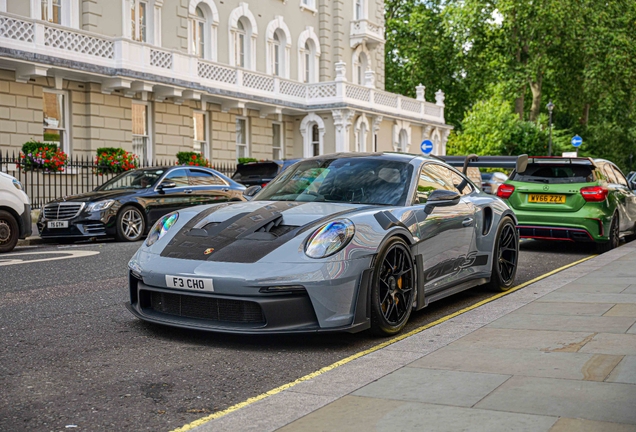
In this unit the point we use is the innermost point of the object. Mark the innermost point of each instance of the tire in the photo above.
(393, 288)
(9, 231)
(131, 224)
(614, 237)
(505, 258)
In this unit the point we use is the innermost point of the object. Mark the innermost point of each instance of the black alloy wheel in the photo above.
(9, 231)
(505, 256)
(393, 288)
(131, 224)
(614, 237)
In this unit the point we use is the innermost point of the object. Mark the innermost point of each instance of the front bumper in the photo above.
(84, 225)
(26, 222)
(238, 304)
(582, 225)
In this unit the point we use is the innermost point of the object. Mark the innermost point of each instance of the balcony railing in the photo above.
(366, 31)
(180, 69)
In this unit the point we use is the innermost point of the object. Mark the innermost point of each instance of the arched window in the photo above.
(276, 55)
(308, 56)
(239, 48)
(312, 129)
(315, 140)
(198, 33)
(404, 141)
(360, 65)
(278, 48)
(243, 34)
(361, 132)
(203, 25)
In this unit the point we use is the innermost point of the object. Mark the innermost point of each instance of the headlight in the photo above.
(161, 228)
(17, 184)
(99, 205)
(329, 238)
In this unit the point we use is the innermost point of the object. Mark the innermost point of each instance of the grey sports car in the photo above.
(342, 242)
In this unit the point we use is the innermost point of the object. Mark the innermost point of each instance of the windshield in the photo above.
(264, 169)
(347, 180)
(137, 179)
(555, 174)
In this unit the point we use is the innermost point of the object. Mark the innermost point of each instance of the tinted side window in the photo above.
(204, 178)
(178, 176)
(433, 177)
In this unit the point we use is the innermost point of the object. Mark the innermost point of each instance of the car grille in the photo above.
(213, 309)
(63, 210)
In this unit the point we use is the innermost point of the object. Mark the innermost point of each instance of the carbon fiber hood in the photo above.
(246, 232)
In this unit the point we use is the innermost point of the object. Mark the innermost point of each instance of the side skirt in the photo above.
(454, 289)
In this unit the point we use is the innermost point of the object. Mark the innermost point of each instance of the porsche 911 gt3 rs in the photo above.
(342, 242)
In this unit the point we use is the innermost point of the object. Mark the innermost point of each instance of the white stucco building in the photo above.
(228, 78)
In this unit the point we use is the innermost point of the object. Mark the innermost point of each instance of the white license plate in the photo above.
(195, 284)
(57, 224)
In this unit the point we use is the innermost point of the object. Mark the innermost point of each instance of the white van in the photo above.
(15, 213)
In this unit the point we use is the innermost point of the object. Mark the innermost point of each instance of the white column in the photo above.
(342, 122)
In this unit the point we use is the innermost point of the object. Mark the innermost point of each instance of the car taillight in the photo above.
(263, 185)
(504, 191)
(594, 193)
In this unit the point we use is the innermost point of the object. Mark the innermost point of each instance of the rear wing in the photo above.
(519, 163)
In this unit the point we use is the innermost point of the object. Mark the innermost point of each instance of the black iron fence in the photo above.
(81, 174)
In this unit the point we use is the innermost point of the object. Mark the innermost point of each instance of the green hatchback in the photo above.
(572, 199)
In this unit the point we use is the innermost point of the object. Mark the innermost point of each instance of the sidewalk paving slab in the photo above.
(557, 355)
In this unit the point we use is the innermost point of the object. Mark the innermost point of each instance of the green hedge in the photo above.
(32, 146)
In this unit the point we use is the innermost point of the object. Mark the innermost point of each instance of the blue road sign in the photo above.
(576, 141)
(427, 146)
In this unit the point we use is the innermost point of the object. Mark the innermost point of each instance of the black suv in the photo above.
(260, 173)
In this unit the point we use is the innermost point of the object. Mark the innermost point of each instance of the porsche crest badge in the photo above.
(208, 251)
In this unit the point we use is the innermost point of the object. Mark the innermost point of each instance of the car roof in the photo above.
(390, 156)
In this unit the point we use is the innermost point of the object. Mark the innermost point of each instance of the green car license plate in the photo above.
(546, 198)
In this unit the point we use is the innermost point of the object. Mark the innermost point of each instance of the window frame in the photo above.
(205, 143)
(416, 197)
(66, 142)
(281, 139)
(139, 29)
(149, 131)
(246, 134)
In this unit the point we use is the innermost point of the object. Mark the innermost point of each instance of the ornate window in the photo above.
(141, 144)
(312, 128)
(360, 64)
(52, 11)
(242, 139)
(201, 134)
(63, 12)
(198, 33)
(401, 136)
(243, 34)
(278, 48)
(361, 132)
(138, 20)
(204, 20)
(55, 112)
(277, 141)
(308, 56)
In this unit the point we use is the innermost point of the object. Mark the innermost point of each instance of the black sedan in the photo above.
(127, 206)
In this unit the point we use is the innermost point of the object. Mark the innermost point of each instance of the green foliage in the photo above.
(246, 160)
(48, 137)
(581, 54)
(32, 146)
(192, 158)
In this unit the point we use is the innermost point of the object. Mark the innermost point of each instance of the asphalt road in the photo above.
(73, 358)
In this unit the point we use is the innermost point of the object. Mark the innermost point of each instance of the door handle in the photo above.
(467, 222)
(188, 191)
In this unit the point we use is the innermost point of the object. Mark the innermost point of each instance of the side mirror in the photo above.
(166, 185)
(251, 191)
(441, 198)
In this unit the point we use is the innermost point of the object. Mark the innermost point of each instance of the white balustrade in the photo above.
(92, 49)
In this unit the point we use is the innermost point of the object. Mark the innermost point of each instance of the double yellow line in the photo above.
(349, 359)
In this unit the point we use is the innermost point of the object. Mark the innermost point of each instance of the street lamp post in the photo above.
(550, 107)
